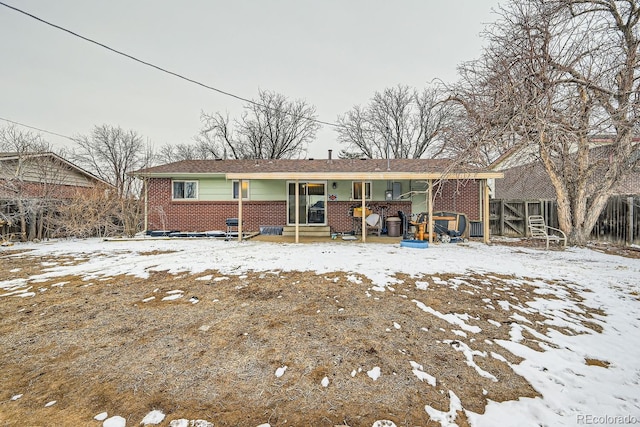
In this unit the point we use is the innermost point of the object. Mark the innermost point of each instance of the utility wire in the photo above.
(164, 70)
(40, 130)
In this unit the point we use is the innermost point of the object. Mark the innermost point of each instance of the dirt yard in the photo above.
(124, 346)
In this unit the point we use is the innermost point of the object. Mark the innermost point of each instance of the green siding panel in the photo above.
(219, 189)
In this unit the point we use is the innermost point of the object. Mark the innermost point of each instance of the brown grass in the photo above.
(95, 346)
(597, 362)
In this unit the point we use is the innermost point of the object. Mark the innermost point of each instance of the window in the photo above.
(357, 190)
(245, 189)
(185, 190)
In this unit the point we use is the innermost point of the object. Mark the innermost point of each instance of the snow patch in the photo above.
(153, 417)
(374, 373)
(115, 421)
(280, 371)
(418, 371)
(446, 419)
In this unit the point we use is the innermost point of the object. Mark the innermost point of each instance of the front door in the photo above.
(311, 202)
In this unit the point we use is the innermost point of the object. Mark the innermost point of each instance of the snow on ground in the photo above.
(574, 393)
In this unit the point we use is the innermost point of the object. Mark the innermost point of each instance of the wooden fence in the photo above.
(619, 221)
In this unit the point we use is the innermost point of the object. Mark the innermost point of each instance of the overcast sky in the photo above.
(333, 54)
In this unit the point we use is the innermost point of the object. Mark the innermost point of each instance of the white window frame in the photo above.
(235, 192)
(367, 185)
(184, 182)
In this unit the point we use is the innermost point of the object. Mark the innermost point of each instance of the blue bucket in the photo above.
(420, 244)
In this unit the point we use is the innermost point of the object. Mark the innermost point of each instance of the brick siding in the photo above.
(340, 219)
(167, 214)
(33, 190)
(458, 196)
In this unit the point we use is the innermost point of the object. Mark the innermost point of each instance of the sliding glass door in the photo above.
(311, 202)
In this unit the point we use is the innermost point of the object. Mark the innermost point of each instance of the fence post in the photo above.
(526, 219)
(501, 223)
(630, 236)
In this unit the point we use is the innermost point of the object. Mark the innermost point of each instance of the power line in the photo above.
(39, 129)
(164, 70)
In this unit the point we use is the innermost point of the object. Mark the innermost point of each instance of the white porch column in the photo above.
(364, 214)
(145, 182)
(297, 196)
(430, 210)
(485, 213)
(240, 210)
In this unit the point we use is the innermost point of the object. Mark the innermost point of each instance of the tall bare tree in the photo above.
(398, 122)
(557, 73)
(28, 183)
(176, 152)
(110, 153)
(271, 127)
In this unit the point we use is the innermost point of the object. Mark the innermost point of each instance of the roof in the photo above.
(523, 154)
(13, 156)
(320, 169)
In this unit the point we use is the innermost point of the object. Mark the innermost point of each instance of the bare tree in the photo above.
(271, 127)
(555, 74)
(89, 213)
(171, 153)
(27, 182)
(111, 153)
(466, 142)
(398, 122)
(345, 154)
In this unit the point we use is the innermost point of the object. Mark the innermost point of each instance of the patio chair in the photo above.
(540, 230)
(374, 223)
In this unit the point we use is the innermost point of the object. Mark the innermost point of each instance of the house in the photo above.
(29, 184)
(306, 196)
(34, 172)
(526, 189)
(525, 178)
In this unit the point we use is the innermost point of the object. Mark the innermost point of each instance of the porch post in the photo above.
(297, 215)
(430, 209)
(364, 219)
(145, 183)
(240, 210)
(485, 214)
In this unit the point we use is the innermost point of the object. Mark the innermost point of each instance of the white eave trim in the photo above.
(366, 176)
(179, 175)
(354, 176)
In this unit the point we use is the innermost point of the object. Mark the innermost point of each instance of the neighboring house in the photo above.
(525, 178)
(30, 181)
(36, 173)
(200, 195)
(526, 189)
